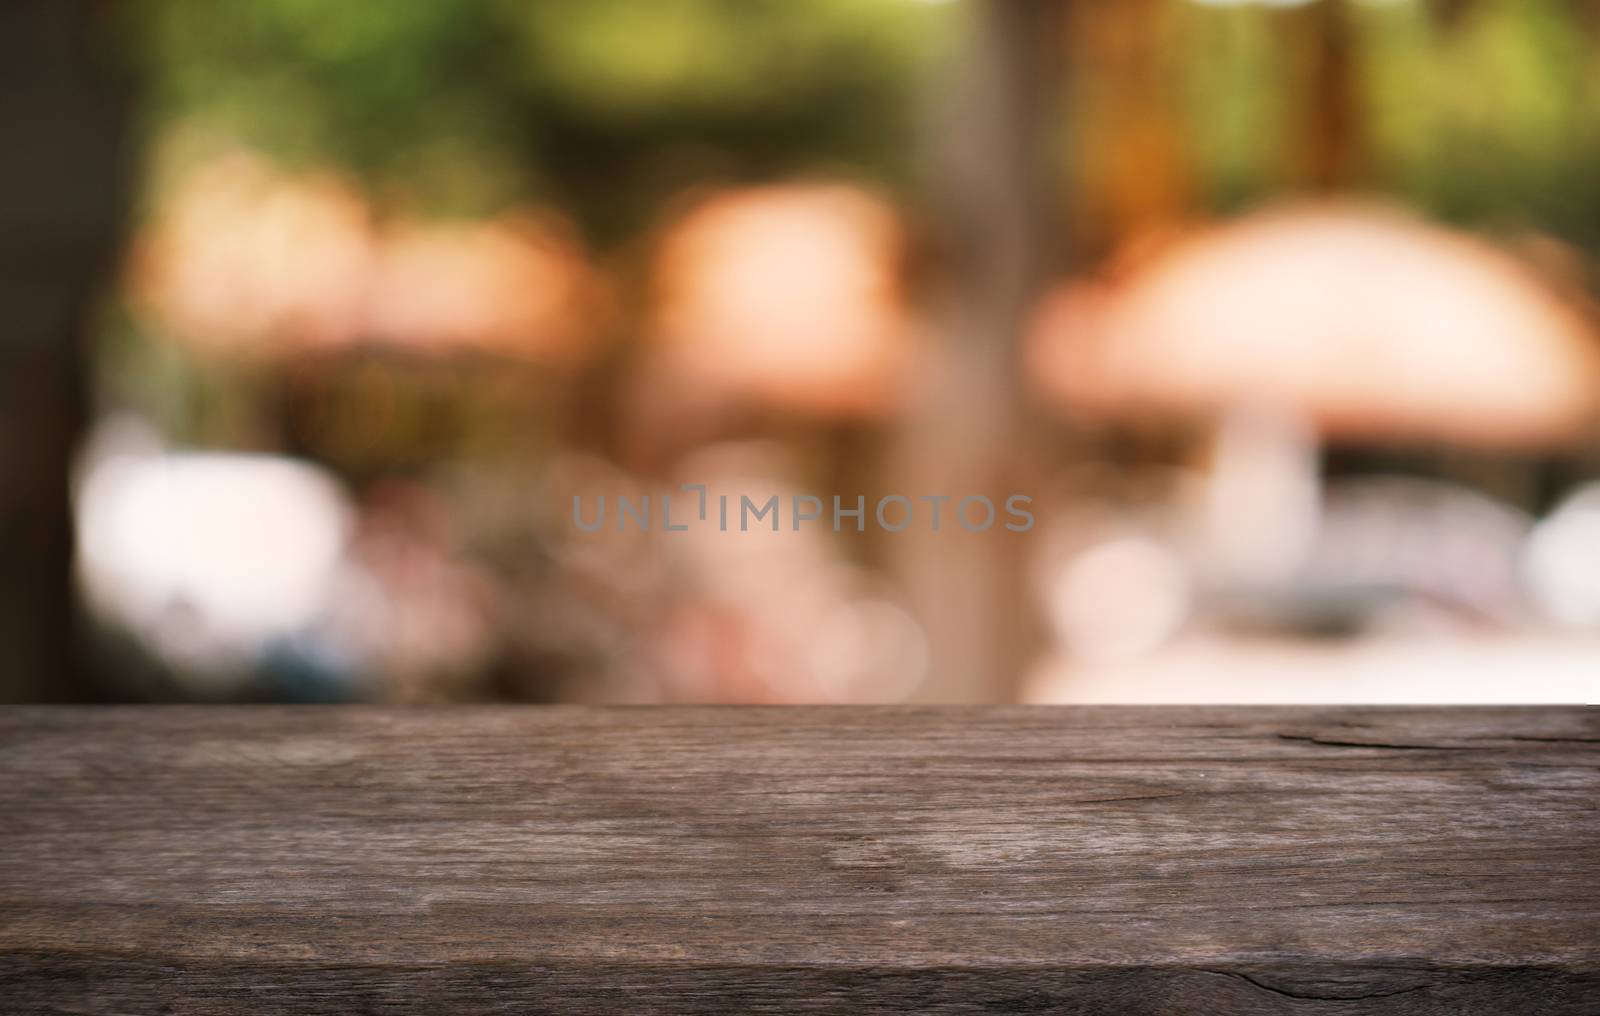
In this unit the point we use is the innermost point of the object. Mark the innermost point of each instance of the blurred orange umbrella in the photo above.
(244, 257)
(1373, 324)
(239, 256)
(517, 285)
(789, 293)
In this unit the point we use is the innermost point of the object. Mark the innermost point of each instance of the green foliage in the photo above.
(1233, 75)
(1496, 118)
(609, 106)
(601, 104)
(1491, 118)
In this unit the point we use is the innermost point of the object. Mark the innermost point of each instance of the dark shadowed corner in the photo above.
(62, 189)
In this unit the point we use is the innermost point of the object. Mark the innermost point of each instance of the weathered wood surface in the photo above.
(571, 860)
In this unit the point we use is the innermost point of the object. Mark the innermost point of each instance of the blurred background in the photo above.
(319, 315)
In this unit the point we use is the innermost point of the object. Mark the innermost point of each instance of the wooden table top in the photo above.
(356, 860)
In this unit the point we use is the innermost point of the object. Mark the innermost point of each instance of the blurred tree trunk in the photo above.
(1332, 149)
(1138, 177)
(968, 433)
(60, 208)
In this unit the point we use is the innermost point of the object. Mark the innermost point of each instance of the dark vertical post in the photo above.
(60, 207)
(1333, 143)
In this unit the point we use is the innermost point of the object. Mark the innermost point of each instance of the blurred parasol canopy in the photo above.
(789, 294)
(243, 257)
(1374, 325)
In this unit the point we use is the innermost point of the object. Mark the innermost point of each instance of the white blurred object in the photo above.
(1476, 671)
(1119, 600)
(1561, 563)
(1263, 496)
(208, 556)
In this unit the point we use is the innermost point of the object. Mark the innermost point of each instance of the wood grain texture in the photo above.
(908, 860)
